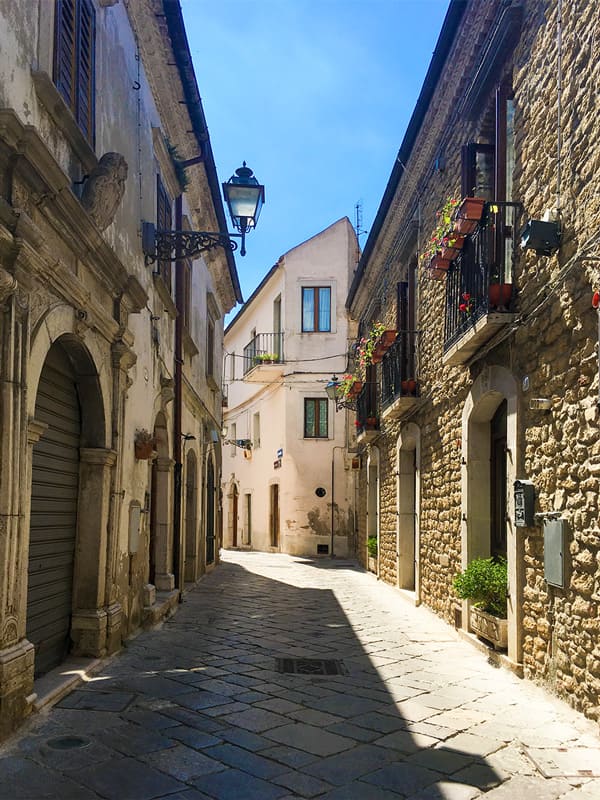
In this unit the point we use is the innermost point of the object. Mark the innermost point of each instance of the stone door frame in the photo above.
(408, 504)
(492, 386)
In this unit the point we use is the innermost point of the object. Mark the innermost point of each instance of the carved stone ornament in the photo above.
(10, 632)
(104, 189)
(8, 284)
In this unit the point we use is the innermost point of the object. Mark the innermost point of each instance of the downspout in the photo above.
(178, 402)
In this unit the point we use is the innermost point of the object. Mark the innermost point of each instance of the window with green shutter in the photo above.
(74, 46)
(315, 418)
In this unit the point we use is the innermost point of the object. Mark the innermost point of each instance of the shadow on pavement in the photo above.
(200, 709)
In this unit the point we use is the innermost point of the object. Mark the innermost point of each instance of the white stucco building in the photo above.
(290, 486)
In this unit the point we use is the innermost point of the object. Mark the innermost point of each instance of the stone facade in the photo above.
(494, 81)
(89, 343)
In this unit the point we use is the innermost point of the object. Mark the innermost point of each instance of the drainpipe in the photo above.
(177, 403)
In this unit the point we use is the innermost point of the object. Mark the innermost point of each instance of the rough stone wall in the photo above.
(554, 343)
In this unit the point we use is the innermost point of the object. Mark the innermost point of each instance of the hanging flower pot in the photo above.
(411, 386)
(452, 246)
(437, 263)
(144, 445)
(468, 214)
(355, 389)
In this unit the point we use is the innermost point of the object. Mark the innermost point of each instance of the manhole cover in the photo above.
(310, 666)
(68, 742)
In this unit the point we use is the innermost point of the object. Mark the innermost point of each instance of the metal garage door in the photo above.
(55, 478)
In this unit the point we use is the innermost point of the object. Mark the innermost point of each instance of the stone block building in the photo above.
(109, 371)
(499, 335)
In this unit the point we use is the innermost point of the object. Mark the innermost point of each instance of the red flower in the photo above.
(466, 297)
(462, 307)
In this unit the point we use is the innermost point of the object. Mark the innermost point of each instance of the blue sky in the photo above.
(315, 95)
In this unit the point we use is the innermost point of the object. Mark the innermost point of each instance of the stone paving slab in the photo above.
(197, 710)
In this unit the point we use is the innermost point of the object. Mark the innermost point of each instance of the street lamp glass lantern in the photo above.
(332, 387)
(244, 196)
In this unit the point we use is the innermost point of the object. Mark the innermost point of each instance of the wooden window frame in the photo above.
(315, 290)
(74, 64)
(319, 403)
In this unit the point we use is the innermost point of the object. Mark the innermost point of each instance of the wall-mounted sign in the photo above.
(277, 464)
(280, 453)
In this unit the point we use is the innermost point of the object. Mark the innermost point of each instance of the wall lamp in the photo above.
(332, 393)
(244, 196)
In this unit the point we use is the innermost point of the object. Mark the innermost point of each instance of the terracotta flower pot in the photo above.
(500, 295)
(468, 214)
(144, 450)
(453, 248)
(411, 385)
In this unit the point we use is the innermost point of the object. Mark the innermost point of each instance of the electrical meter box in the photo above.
(555, 546)
(524, 503)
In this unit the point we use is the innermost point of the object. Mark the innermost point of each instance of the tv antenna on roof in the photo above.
(358, 219)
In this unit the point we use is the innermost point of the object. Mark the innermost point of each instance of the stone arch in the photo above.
(493, 386)
(90, 364)
(191, 516)
(408, 492)
(56, 343)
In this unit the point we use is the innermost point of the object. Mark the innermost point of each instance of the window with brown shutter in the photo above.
(163, 223)
(74, 67)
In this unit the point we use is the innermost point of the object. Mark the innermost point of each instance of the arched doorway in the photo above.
(53, 521)
(489, 471)
(210, 512)
(191, 518)
(68, 539)
(407, 499)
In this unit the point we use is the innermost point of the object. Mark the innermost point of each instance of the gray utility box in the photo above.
(555, 547)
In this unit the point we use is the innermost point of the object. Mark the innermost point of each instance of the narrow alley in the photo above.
(285, 677)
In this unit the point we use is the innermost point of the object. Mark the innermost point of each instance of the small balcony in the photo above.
(399, 388)
(480, 293)
(263, 358)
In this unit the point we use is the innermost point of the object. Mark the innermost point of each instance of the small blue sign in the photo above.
(280, 453)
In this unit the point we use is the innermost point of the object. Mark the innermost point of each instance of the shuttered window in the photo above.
(74, 45)
(163, 223)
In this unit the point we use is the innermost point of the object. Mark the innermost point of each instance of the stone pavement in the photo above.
(199, 708)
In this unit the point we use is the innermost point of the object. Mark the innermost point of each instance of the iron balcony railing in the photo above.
(398, 368)
(486, 260)
(265, 347)
(367, 412)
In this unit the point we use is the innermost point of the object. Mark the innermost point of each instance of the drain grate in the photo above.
(310, 666)
(68, 742)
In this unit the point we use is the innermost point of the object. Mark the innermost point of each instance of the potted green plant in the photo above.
(350, 386)
(372, 553)
(485, 583)
(266, 358)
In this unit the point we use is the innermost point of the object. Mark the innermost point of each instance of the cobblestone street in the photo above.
(204, 707)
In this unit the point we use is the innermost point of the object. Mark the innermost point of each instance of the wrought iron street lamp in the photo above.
(244, 196)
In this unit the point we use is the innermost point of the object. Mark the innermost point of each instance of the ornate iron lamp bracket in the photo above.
(173, 245)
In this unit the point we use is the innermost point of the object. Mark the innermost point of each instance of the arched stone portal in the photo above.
(68, 507)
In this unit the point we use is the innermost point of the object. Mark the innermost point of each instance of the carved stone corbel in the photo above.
(167, 390)
(8, 285)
